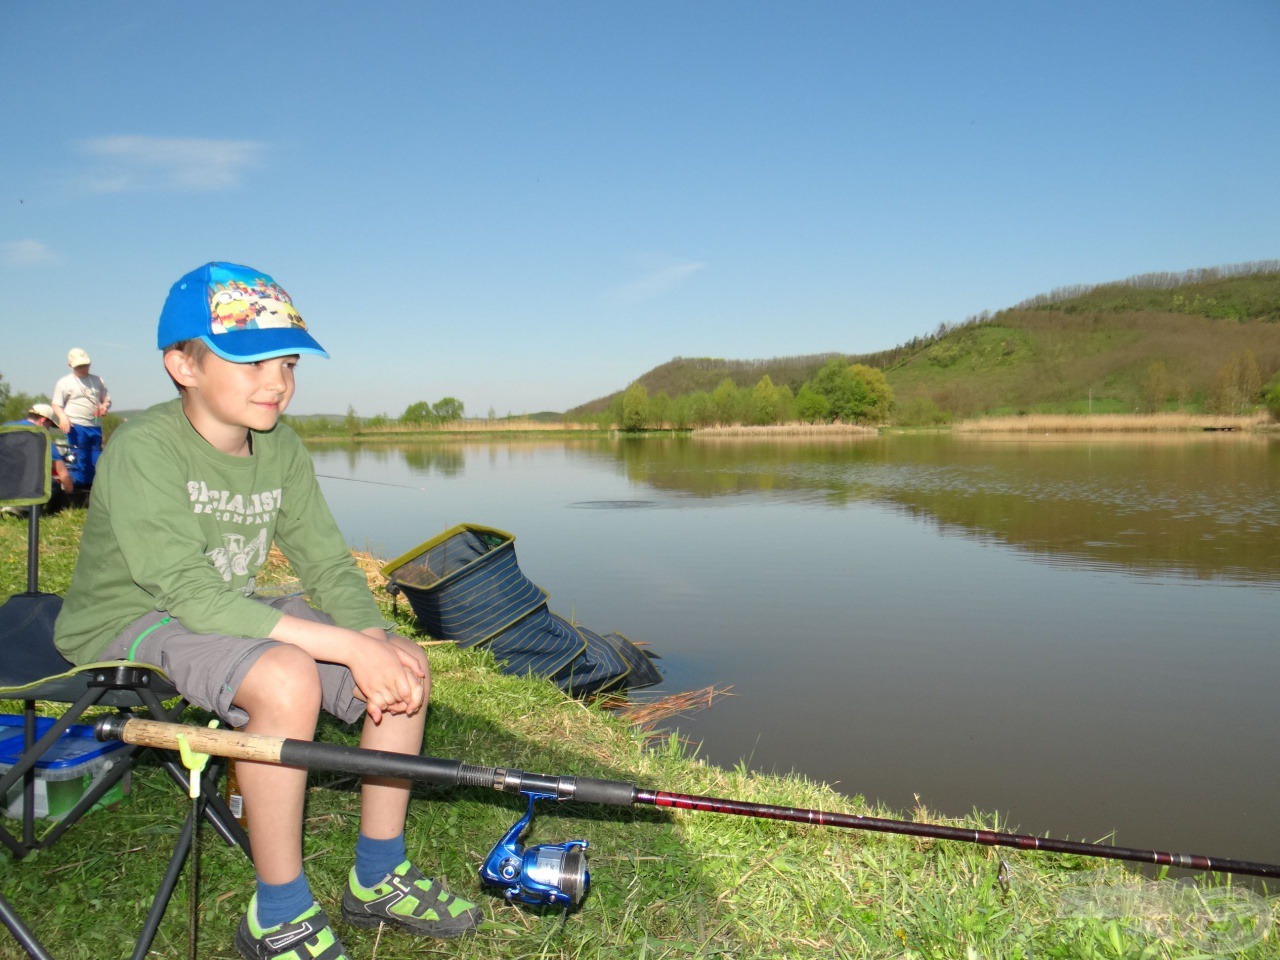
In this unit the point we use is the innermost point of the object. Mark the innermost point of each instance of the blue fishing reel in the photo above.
(547, 875)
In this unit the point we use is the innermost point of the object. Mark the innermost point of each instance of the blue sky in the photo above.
(528, 205)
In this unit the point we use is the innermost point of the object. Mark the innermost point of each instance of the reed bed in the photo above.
(1111, 423)
(807, 431)
(479, 425)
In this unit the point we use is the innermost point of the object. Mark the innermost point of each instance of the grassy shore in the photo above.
(664, 884)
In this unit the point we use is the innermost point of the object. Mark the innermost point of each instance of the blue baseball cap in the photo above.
(240, 313)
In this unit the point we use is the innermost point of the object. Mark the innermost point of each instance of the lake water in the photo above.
(1080, 634)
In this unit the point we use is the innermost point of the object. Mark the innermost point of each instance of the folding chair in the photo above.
(32, 669)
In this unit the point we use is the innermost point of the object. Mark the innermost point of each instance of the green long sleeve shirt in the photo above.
(175, 525)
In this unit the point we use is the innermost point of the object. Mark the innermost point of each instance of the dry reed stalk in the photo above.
(278, 566)
(646, 714)
(1110, 423)
(371, 567)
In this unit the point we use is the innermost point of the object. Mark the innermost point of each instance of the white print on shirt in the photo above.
(236, 557)
(233, 508)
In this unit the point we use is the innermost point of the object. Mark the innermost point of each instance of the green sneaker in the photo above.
(409, 900)
(309, 937)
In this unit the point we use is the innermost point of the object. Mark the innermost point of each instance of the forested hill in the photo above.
(1148, 342)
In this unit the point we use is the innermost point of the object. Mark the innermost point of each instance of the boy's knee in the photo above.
(283, 675)
(418, 654)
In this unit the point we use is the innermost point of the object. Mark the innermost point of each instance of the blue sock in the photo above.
(376, 858)
(283, 902)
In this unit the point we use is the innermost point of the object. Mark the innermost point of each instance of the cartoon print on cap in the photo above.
(234, 305)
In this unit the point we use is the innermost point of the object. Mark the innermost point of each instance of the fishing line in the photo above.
(376, 483)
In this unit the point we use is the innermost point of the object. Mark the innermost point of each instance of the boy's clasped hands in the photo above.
(390, 678)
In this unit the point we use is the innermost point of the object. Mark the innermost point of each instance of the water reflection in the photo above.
(1204, 506)
(1199, 505)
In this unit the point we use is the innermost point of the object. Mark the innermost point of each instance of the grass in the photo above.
(666, 885)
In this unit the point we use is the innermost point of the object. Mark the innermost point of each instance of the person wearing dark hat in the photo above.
(190, 497)
(41, 415)
(80, 401)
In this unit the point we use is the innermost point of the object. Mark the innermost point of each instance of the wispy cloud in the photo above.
(25, 253)
(168, 163)
(662, 274)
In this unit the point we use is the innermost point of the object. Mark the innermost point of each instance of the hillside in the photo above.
(1111, 347)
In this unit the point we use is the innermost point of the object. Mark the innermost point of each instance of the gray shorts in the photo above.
(207, 668)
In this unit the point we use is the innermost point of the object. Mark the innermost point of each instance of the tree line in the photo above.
(417, 415)
(848, 393)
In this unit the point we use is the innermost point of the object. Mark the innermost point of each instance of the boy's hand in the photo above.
(390, 674)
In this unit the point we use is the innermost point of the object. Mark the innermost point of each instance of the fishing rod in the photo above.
(557, 874)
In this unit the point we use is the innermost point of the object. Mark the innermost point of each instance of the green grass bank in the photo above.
(664, 884)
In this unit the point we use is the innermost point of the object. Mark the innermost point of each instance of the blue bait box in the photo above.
(65, 773)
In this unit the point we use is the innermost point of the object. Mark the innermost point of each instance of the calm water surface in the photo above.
(1079, 634)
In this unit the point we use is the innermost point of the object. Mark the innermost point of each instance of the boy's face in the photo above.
(226, 396)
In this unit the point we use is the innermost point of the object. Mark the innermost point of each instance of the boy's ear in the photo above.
(180, 367)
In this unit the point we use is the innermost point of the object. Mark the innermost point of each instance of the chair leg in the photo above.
(21, 932)
(215, 808)
(168, 883)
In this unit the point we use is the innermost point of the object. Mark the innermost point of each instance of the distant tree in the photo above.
(447, 410)
(418, 413)
(613, 413)
(786, 404)
(876, 396)
(811, 406)
(635, 407)
(1156, 387)
(834, 384)
(1271, 397)
(5, 392)
(764, 404)
(854, 394)
(679, 416)
(352, 421)
(702, 411)
(1237, 385)
(660, 410)
(726, 404)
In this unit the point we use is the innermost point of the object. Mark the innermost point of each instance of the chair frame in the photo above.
(126, 687)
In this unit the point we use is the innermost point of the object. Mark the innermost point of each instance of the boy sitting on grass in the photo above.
(190, 495)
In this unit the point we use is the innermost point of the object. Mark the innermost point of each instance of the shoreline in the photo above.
(1024, 424)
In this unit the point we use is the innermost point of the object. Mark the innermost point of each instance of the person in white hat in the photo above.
(79, 401)
(41, 415)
